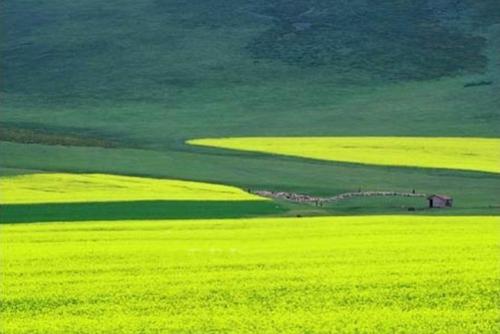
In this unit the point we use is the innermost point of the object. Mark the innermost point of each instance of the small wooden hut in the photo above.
(440, 201)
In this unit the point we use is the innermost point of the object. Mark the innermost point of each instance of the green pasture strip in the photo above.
(282, 275)
(136, 210)
(402, 205)
(16, 171)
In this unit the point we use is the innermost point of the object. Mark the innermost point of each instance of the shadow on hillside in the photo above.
(136, 210)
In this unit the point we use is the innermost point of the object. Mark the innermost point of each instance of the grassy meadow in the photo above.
(380, 274)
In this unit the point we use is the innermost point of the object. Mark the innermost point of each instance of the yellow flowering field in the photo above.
(67, 188)
(477, 154)
(371, 274)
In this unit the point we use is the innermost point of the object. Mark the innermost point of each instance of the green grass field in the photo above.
(281, 275)
(138, 210)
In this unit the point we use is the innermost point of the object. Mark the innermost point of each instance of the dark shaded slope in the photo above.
(397, 40)
(136, 210)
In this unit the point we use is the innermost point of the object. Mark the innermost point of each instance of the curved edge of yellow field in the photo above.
(458, 153)
(71, 188)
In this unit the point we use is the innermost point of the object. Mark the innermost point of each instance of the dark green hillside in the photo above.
(160, 47)
(390, 39)
(118, 86)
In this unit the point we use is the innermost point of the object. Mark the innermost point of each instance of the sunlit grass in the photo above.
(378, 274)
(65, 187)
(477, 154)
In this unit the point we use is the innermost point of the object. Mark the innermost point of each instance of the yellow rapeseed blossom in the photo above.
(65, 187)
(371, 274)
(477, 154)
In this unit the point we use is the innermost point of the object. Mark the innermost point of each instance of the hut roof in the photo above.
(443, 197)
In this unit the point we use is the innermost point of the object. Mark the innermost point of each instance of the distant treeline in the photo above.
(478, 83)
